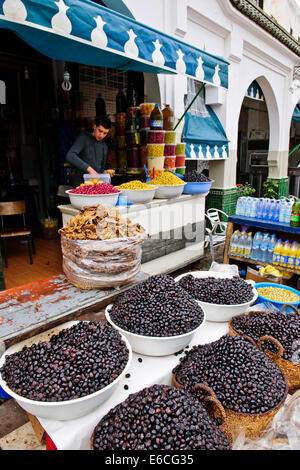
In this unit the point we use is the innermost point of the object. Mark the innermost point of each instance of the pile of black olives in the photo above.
(227, 291)
(159, 417)
(74, 363)
(242, 376)
(194, 176)
(284, 328)
(157, 307)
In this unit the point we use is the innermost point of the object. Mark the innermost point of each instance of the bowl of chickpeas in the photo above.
(278, 295)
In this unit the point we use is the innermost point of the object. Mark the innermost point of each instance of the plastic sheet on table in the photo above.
(283, 433)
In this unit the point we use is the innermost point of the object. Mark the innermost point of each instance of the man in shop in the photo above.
(89, 152)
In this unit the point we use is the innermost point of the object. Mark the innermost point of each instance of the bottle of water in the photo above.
(238, 208)
(256, 246)
(254, 207)
(249, 204)
(234, 243)
(277, 211)
(271, 247)
(243, 206)
(288, 212)
(264, 247)
(241, 244)
(248, 245)
(282, 211)
(259, 208)
(271, 210)
(265, 209)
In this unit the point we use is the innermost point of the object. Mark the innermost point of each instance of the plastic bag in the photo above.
(283, 433)
(224, 268)
(101, 264)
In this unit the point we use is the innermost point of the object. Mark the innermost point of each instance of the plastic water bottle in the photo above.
(238, 208)
(234, 243)
(271, 210)
(254, 208)
(256, 245)
(265, 209)
(243, 206)
(259, 208)
(248, 245)
(282, 211)
(288, 212)
(264, 247)
(271, 247)
(241, 244)
(277, 211)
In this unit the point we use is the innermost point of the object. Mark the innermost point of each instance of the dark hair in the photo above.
(103, 121)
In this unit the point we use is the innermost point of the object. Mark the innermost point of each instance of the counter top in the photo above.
(71, 210)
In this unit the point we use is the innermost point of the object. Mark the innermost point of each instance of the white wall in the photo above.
(253, 54)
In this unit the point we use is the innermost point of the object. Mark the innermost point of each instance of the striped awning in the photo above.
(84, 32)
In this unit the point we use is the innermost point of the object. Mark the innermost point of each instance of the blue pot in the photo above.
(197, 188)
(279, 305)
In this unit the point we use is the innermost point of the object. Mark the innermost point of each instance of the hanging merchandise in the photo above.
(156, 118)
(168, 118)
(121, 102)
(66, 84)
(100, 106)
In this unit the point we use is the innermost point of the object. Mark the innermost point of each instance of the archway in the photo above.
(258, 134)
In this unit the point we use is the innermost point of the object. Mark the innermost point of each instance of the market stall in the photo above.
(76, 404)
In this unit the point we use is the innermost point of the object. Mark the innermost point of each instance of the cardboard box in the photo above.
(255, 276)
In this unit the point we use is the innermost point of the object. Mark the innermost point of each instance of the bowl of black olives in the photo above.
(222, 296)
(66, 372)
(157, 317)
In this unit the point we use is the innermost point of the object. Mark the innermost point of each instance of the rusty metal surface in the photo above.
(25, 309)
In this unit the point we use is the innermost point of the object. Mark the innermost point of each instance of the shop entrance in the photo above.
(253, 143)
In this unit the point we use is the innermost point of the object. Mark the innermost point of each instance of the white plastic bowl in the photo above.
(216, 312)
(139, 196)
(81, 200)
(62, 410)
(168, 191)
(153, 345)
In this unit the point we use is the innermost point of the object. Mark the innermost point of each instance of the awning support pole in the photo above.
(294, 150)
(186, 110)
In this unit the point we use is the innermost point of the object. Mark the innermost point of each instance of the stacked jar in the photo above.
(180, 158)
(144, 121)
(155, 141)
(121, 140)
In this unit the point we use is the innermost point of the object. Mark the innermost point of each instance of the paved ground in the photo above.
(16, 432)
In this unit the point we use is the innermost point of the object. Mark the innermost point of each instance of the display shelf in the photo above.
(265, 224)
(275, 227)
(262, 263)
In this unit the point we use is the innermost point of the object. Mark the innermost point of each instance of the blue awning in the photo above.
(296, 114)
(84, 32)
(203, 132)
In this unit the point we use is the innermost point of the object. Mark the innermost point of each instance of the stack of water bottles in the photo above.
(273, 210)
(264, 247)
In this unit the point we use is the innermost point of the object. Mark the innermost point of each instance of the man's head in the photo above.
(101, 128)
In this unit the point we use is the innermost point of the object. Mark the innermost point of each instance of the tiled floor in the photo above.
(47, 262)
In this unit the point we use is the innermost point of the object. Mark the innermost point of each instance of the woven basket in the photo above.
(290, 369)
(235, 422)
(211, 400)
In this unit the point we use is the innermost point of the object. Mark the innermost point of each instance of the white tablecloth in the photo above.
(75, 434)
